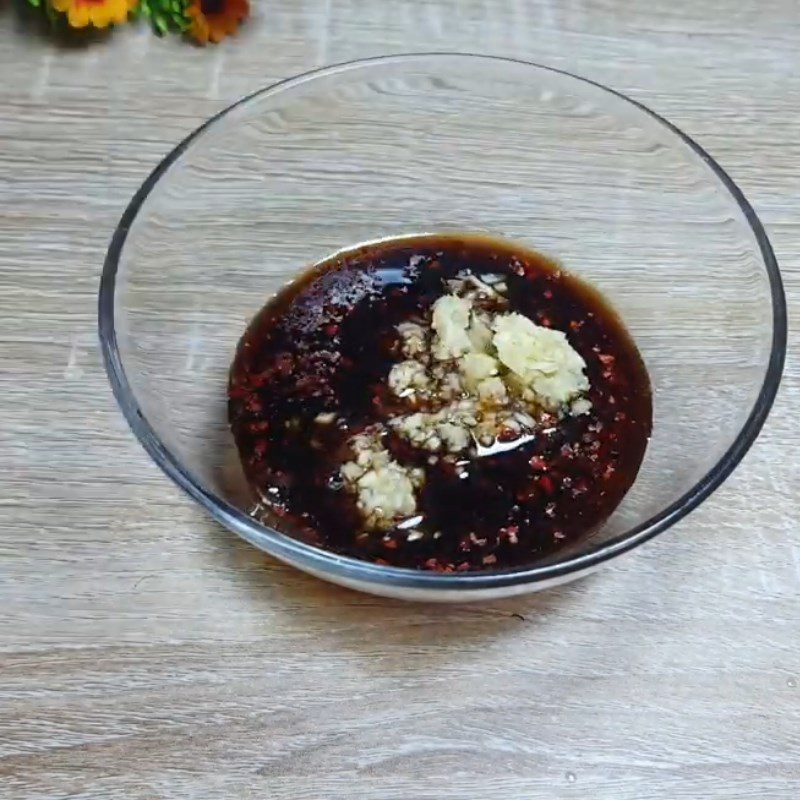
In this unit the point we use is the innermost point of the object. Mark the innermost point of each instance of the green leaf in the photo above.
(166, 16)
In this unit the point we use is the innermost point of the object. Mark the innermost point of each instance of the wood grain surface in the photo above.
(146, 653)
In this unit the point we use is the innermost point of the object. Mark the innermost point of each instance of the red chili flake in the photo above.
(580, 487)
(254, 404)
(260, 448)
(548, 294)
(431, 563)
(510, 533)
(530, 271)
(538, 463)
(331, 330)
(309, 384)
(605, 358)
(258, 427)
(490, 559)
(507, 435)
(237, 392)
(284, 363)
(390, 544)
(545, 320)
(463, 566)
(620, 416)
(546, 482)
(261, 379)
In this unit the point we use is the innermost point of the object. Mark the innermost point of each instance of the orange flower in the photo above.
(100, 13)
(213, 20)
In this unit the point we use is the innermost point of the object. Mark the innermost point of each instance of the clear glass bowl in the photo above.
(427, 143)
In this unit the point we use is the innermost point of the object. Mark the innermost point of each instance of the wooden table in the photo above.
(145, 653)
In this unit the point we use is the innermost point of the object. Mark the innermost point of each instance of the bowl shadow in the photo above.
(362, 624)
(368, 625)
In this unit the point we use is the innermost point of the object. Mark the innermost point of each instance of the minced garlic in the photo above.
(384, 488)
(480, 331)
(408, 377)
(413, 338)
(491, 372)
(541, 357)
(448, 428)
(450, 320)
(475, 367)
(386, 495)
(493, 390)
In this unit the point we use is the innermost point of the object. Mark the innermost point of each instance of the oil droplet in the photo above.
(571, 777)
(791, 683)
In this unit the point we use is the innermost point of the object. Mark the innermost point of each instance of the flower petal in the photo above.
(78, 15)
(100, 15)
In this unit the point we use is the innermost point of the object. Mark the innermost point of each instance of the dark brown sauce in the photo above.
(326, 344)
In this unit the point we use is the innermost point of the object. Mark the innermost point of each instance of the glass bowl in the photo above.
(430, 143)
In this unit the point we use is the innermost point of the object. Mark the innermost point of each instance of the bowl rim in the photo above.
(322, 561)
